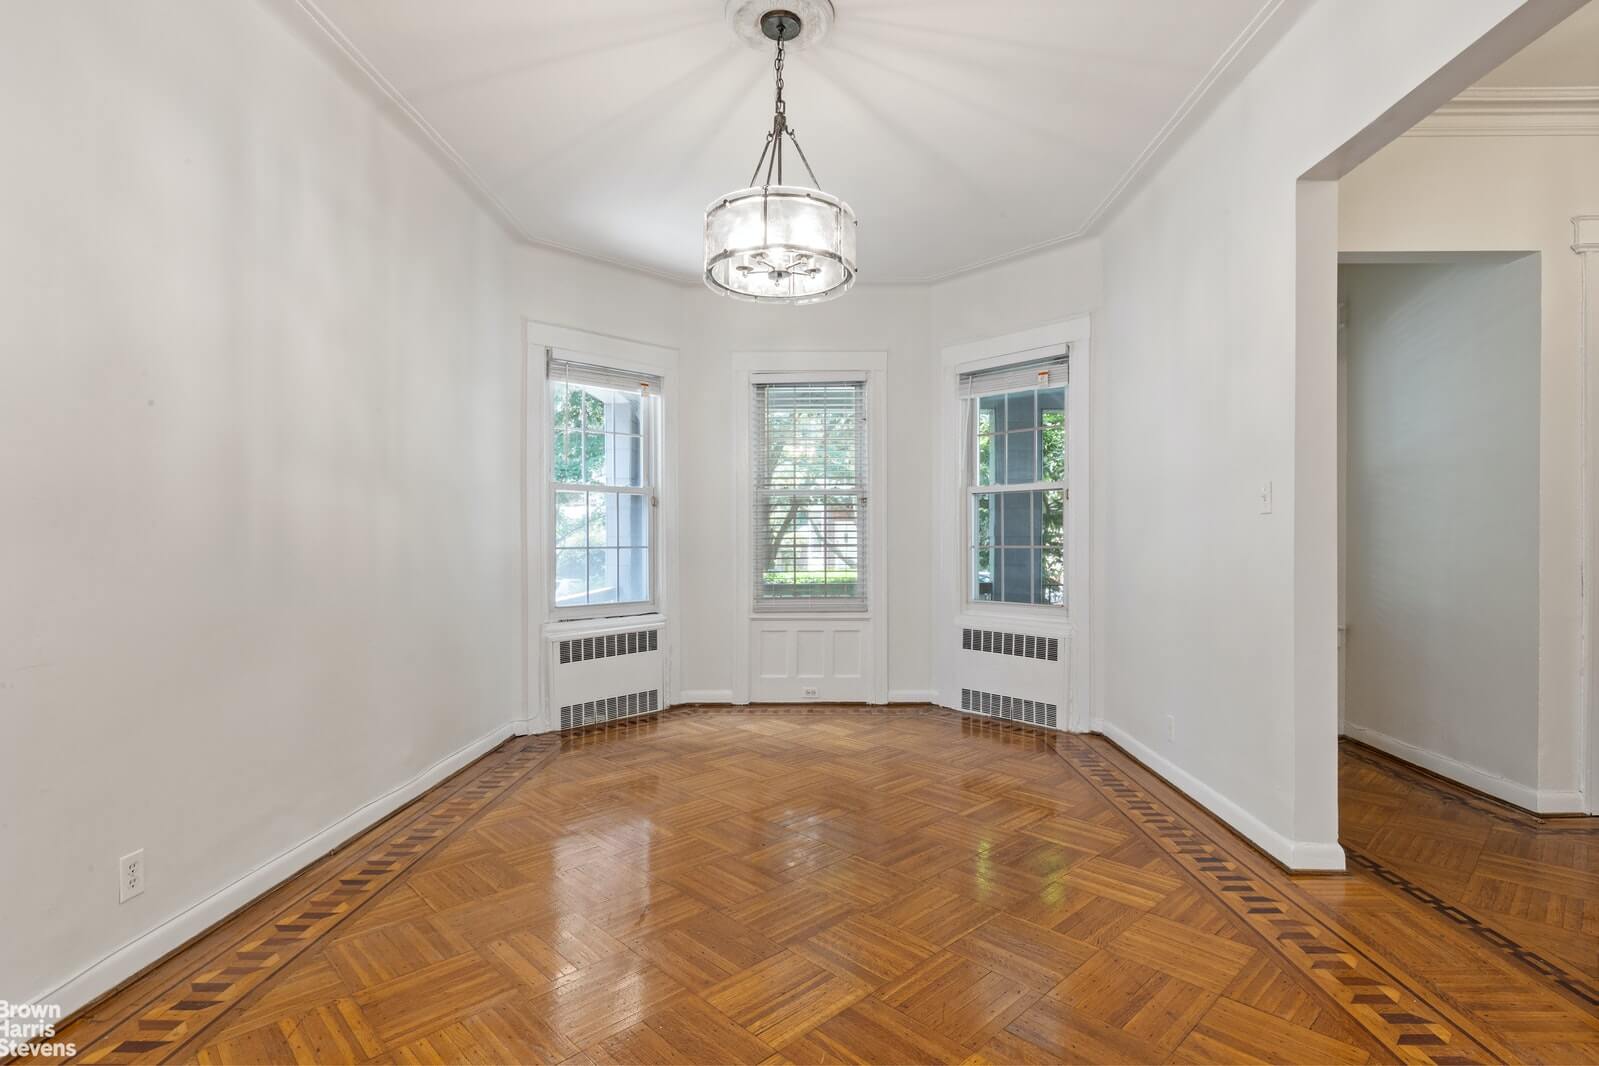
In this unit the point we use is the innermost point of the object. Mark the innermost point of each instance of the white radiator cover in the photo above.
(1012, 673)
(603, 675)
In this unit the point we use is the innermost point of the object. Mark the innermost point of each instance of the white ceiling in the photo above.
(1567, 55)
(961, 131)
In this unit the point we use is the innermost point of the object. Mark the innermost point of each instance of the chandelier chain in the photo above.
(777, 65)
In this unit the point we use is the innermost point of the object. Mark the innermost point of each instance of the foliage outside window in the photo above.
(603, 484)
(809, 466)
(1017, 496)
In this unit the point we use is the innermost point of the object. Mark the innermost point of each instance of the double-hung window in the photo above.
(1016, 486)
(809, 464)
(603, 481)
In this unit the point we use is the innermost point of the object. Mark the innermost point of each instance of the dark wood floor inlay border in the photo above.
(1402, 1021)
(1570, 982)
(184, 1009)
(1459, 796)
(1327, 986)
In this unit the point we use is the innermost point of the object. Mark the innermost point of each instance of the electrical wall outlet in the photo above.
(130, 876)
(1265, 497)
(810, 693)
(1171, 727)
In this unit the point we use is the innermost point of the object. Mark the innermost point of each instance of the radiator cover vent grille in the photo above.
(609, 709)
(607, 645)
(1010, 708)
(1025, 645)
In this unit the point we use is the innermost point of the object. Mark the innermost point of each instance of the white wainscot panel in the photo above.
(799, 660)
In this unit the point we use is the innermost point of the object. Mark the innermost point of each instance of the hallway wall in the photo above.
(1511, 192)
(1220, 622)
(1442, 516)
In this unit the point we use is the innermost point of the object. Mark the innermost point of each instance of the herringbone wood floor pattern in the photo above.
(858, 886)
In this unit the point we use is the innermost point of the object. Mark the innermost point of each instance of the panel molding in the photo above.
(748, 624)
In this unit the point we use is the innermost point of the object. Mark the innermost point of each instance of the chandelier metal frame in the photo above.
(771, 270)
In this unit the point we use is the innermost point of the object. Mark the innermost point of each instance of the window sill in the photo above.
(982, 616)
(564, 628)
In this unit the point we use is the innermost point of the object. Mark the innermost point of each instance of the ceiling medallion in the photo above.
(777, 243)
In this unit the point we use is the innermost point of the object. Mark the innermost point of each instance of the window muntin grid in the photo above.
(1017, 496)
(602, 484)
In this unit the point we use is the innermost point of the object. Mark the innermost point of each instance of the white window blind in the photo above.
(566, 370)
(809, 465)
(1036, 373)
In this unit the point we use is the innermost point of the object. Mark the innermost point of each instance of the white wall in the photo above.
(1219, 618)
(1442, 519)
(257, 414)
(262, 433)
(910, 323)
(260, 442)
(871, 318)
(989, 313)
(1040, 288)
(1504, 193)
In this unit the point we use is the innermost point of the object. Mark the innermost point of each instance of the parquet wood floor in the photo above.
(814, 885)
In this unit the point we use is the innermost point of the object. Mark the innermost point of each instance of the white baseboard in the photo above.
(1527, 797)
(912, 695)
(1294, 854)
(1311, 856)
(706, 695)
(145, 949)
(1561, 801)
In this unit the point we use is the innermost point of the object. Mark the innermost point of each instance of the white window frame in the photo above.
(537, 557)
(970, 406)
(813, 366)
(860, 603)
(952, 609)
(649, 461)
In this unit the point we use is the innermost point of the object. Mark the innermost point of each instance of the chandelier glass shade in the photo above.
(778, 243)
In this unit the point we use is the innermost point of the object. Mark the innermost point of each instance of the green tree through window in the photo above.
(603, 486)
(1017, 496)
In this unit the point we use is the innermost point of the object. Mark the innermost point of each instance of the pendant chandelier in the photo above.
(772, 242)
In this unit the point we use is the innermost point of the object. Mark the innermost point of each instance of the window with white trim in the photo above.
(603, 449)
(809, 466)
(1016, 485)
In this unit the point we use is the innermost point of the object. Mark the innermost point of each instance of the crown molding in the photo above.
(1516, 111)
(445, 152)
(1191, 110)
(1233, 61)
